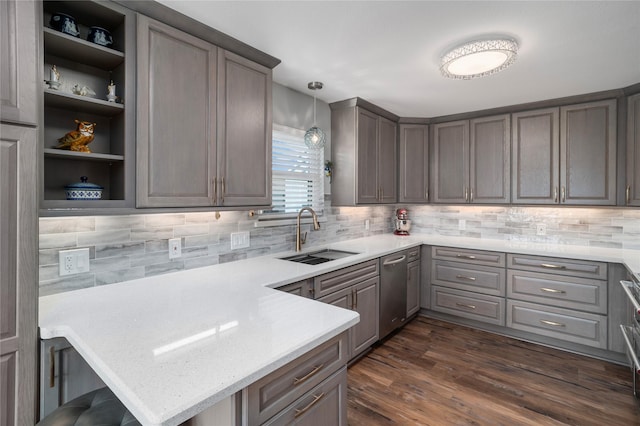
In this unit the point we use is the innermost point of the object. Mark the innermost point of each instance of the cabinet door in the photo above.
(176, 117)
(244, 132)
(535, 161)
(365, 333)
(490, 160)
(414, 163)
(451, 162)
(367, 160)
(632, 190)
(387, 160)
(18, 61)
(413, 287)
(19, 276)
(588, 153)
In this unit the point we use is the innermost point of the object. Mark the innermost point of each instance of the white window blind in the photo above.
(298, 174)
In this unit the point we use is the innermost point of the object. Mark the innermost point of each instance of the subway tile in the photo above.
(58, 241)
(156, 233)
(120, 222)
(66, 224)
(49, 272)
(103, 237)
(119, 249)
(190, 230)
(110, 264)
(201, 261)
(163, 268)
(149, 258)
(120, 275)
(164, 220)
(201, 240)
(60, 285)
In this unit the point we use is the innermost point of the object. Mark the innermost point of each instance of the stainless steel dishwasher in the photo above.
(393, 292)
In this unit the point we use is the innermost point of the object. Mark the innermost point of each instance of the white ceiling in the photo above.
(387, 52)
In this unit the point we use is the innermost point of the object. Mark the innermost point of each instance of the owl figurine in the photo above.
(77, 140)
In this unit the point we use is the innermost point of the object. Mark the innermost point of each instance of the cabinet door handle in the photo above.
(552, 323)
(316, 398)
(52, 367)
(466, 194)
(552, 290)
(426, 194)
(222, 190)
(627, 195)
(466, 256)
(355, 297)
(471, 195)
(316, 369)
(464, 305)
(555, 194)
(215, 190)
(552, 266)
(381, 193)
(564, 194)
(464, 277)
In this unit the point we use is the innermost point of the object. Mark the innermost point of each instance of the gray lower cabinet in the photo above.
(565, 155)
(302, 288)
(364, 151)
(204, 123)
(467, 304)
(632, 189)
(309, 390)
(19, 276)
(413, 163)
(472, 161)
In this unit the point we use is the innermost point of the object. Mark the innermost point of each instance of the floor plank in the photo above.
(436, 373)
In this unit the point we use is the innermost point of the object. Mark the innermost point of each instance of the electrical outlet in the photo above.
(240, 240)
(73, 262)
(175, 248)
(541, 229)
(462, 224)
(366, 224)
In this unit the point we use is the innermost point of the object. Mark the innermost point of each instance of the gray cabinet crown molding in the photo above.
(359, 102)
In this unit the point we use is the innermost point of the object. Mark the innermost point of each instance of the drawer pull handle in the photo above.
(552, 290)
(465, 256)
(413, 253)
(552, 266)
(552, 323)
(52, 367)
(464, 305)
(316, 398)
(394, 261)
(298, 380)
(464, 277)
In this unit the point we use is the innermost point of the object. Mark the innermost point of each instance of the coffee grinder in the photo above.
(402, 222)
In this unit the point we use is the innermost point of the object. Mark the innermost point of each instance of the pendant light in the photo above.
(315, 138)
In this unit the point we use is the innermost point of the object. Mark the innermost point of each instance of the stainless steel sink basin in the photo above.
(318, 257)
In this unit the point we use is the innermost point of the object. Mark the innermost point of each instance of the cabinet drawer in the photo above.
(273, 393)
(475, 257)
(343, 278)
(564, 324)
(323, 405)
(556, 265)
(413, 254)
(565, 292)
(489, 309)
(481, 279)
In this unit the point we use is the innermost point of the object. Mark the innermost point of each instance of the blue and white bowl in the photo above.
(83, 190)
(99, 35)
(64, 23)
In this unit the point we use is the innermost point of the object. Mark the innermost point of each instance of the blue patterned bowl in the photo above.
(64, 23)
(83, 190)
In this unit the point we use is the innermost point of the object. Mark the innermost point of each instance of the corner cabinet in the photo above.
(204, 123)
(472, 161)
(632, 189)
(364, 151)
(565, 155)
(83, 64)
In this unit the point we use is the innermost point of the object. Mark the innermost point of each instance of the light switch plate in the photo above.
(74, 261)
(541, 229)
(462, 224)
(240, 240)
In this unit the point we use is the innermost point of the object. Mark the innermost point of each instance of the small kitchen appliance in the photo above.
(402, 222)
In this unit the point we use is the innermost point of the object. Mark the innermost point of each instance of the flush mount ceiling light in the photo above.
(479, 58)
(315, 138)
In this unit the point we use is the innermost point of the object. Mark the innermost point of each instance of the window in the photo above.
(298, 174)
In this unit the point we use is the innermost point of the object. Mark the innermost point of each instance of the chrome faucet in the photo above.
(300, 240)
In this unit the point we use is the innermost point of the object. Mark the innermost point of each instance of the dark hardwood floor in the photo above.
(436, 373)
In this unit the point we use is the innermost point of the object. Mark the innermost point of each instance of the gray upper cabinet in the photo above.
(413, 164)
(204, 134)
(566, 155)
(176, 117)
(535, 157)
(472, 161)
(588, 153)
(18, 62)
(632, 189)
(364, 152)
(244, 131)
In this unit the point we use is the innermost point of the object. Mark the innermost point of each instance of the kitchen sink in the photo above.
(318, 257)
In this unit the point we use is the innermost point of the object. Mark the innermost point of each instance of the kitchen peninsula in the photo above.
(173, 345)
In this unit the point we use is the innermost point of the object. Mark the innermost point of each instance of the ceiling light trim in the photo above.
(503, 50)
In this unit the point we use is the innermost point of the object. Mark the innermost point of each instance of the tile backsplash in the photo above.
(127, 247)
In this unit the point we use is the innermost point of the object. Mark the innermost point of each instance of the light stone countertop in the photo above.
(172, 345)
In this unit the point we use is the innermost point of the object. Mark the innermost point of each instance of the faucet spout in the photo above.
(299, 239)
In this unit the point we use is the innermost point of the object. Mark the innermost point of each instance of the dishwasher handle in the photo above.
(395, 261)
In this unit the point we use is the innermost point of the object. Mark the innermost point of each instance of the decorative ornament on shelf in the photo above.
(77, 140)
(315, 138)
(328, 170)
(54, 78)
(82, 90)
(111, 92)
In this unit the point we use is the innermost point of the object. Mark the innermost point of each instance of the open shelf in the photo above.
(82, 51)
(57, 99)
(83, 156)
